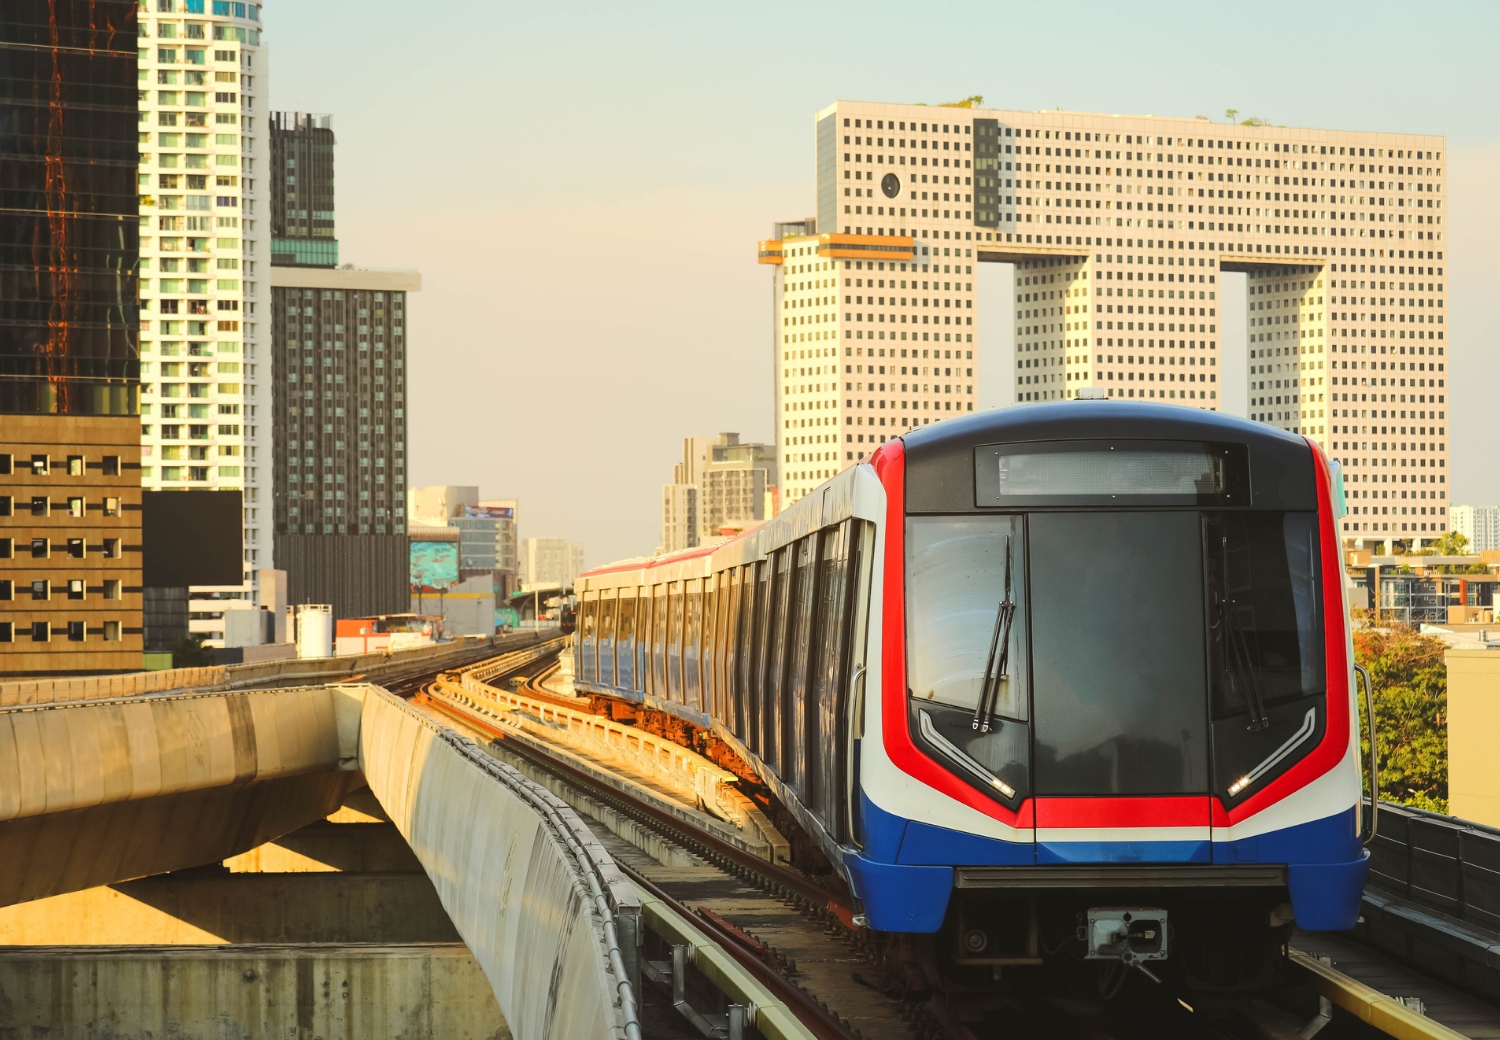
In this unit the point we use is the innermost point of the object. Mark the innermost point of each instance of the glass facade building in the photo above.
(70, 595)
(68, 254)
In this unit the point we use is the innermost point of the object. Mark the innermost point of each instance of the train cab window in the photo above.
(966, 648)
(1265, 639)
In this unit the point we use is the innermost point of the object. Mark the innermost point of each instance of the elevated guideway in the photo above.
(107, 779)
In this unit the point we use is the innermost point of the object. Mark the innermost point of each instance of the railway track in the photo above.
(797, 938)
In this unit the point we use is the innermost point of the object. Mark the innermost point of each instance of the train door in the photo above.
(1119, 686)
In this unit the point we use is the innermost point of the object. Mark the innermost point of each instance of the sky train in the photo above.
(1062, 679)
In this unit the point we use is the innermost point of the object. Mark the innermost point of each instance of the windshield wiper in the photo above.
(1239, 650)
(998, 659)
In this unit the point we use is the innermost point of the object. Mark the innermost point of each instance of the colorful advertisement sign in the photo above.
(434, 566)
(490, 512)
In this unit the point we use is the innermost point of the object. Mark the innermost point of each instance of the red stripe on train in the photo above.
(1168, 811)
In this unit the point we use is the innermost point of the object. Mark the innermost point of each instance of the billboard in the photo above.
(434, 566)
(191, 538)
(489, 512)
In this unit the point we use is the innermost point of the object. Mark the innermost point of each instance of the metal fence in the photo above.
(1434, 896)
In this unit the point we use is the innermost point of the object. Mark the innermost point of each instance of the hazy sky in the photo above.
(582, 187)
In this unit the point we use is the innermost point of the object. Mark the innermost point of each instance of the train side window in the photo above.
(802, 641)
(606, 637)
(692, 644)
(674, 641)
(659, 685)
(777, 658)
(826, 679)
(759, 622)
(734, 656)
(626, 672)
(587, 646)
(706, 662)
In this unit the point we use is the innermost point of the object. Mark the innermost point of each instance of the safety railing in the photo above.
(133, 684)
(1433, 896)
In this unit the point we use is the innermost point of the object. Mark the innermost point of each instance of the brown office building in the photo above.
(70, 598)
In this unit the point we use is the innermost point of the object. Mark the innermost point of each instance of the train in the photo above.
(1064, 681)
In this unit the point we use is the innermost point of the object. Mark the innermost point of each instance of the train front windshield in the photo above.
(1100, 651)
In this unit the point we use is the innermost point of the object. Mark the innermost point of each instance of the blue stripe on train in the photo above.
(1123, 852)
(905, 877)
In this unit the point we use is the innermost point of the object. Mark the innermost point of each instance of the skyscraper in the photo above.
(1120, 230)
(302, 227)
(70, 595)
(205, 359)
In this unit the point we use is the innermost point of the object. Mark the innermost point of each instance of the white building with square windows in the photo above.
(1121, 230)
(205, 352)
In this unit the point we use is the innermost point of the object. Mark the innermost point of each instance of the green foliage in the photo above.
(1410, 683)
(191, 653)
(1451, 544)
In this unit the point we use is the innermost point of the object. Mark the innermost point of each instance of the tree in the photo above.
(1410, 687)
(190, 652)
(1230, 113)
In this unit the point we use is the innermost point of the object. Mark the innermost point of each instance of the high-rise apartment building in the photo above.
(205, 357)
(1479, 524)
(737, 485)
(719, 483)
(339, 462)
(301, 178)
(1121, 230)
(70, 586)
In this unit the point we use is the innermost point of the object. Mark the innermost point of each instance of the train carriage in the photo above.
(1073, 676)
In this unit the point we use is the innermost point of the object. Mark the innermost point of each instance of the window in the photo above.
(111, 465)
(41, 548)
(41, 589)
(75, 588)
(40, 505)
(5, 505)
(966, 622)
(75, 465)
(76, 548)
(5, 463)
(76, 631)
(7, 632)
(112, 588)
(111, 632)
(111, 507)
(39, 465)
(7, 589)
(75, 506)
(111, 548)
(6, 549)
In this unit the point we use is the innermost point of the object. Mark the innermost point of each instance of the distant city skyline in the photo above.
(605, 266)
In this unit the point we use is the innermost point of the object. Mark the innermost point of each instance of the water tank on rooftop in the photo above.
(314, 630)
